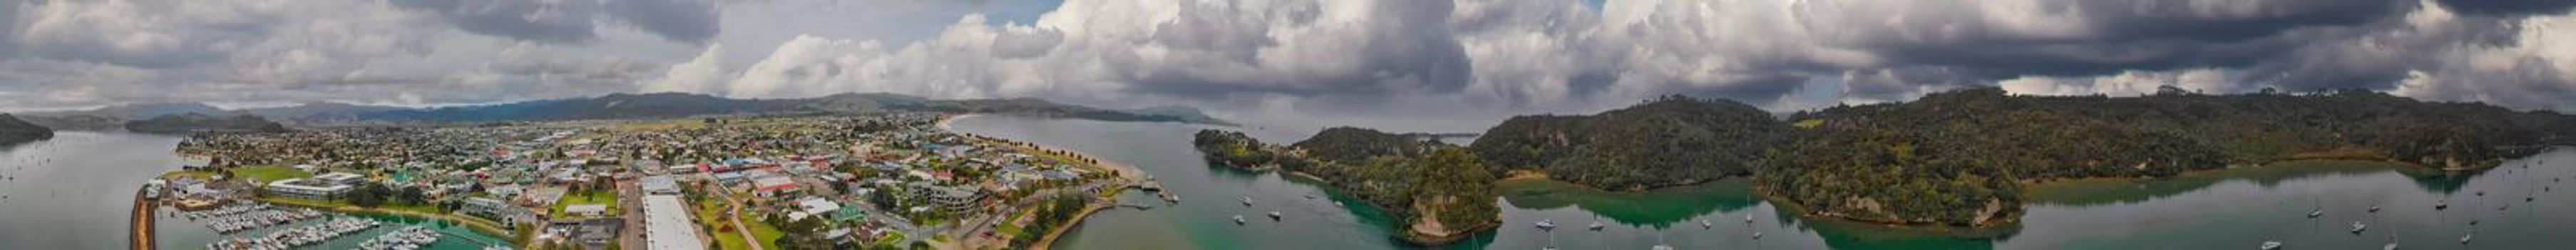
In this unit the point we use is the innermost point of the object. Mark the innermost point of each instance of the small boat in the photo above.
(1757, 235)
(1662, 247)
(2374, 208)
(1748, 219)
(2271, 245)
(1337, 203)
(2464, 239)
(2389, 246)
(2473, 222)
(1238, 219)
(1310, 196)
(1596, 225)
(1274, 215)
(1703, 224)
(1546, 224)
(2439, 205)
(2482, 193)
(2357, 227)
(2312, 214)
(1247, 201)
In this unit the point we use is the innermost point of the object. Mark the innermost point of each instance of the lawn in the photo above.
(708, 213)
(603, 197)
(768, 235)
(1009, 229)
(269, 173)
(1011, 226)
(891, 238)
(201, 175)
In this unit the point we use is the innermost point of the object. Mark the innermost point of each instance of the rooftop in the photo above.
(667, 225)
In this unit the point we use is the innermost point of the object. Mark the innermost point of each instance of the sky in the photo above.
(1412, 65)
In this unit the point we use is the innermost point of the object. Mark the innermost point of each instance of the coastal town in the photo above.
(873, 181)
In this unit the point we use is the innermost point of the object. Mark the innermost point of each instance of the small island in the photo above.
(1441, 192)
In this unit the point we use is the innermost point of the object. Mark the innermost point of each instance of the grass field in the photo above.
(269, 173)
(604, 198)
(193, 174)
(766, 234)
(710, 214)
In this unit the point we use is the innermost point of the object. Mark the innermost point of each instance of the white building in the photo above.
(667, 225)
(659, 184)
(307, 189)
(592, 210)
(341, 178)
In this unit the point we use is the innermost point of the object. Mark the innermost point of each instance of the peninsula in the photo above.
(14, 131)
(1960, 158)
(1438, 193)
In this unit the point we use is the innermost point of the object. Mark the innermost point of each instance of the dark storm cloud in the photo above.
(2378, 56)
(8, 28)
(2509, 7)
(692, 21)
(1406, 47)
(544, 21)
(2114, 36)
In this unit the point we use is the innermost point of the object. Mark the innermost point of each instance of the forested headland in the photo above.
(1438, 193)
(1955, 158)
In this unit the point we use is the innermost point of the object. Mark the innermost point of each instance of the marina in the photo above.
(296, 237)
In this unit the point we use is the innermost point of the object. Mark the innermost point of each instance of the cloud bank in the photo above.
(1422, 65)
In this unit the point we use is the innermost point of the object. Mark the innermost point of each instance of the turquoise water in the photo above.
(74, 192)
(2238, 208)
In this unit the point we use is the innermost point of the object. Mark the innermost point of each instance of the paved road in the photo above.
(631, 198)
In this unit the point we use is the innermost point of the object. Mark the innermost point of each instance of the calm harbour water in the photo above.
(2237, 208)
(74, 192)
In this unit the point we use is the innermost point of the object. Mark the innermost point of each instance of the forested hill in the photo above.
(14, 131)
(1438, 193)
(194, 123)
(1672, 140)
(1959, 157)
(1356, 145)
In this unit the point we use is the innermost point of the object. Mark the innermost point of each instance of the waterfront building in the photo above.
(310, 189)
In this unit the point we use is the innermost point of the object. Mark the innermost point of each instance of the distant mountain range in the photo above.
(613, 106)
(194, 123)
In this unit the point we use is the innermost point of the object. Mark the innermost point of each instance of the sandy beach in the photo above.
(1128, 175)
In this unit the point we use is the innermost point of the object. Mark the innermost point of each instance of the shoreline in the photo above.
(142, 223)
(470, 223)
(1048, 241)
(1982, 231)
(1128, 175)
